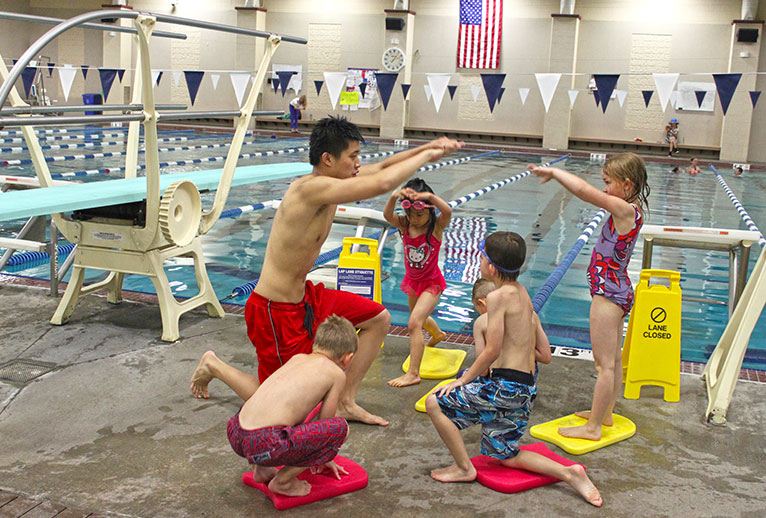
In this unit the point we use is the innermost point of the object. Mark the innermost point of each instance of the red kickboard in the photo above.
(495, 476)
(323, 485)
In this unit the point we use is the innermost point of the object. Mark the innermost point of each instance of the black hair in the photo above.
(419, 185)
(507, 250)
(332, 135)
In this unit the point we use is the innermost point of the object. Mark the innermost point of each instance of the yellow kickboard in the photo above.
(420, 406)
(438, 363)
(622, 429)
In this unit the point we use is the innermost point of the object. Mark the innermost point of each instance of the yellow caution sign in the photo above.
(359, 272)
(652, 351)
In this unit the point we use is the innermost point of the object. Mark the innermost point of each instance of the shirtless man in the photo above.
(284, 310)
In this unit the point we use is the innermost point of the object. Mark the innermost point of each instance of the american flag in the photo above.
(479, 36)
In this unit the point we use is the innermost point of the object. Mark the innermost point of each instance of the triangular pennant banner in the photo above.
(215, 78)
(84, 69)
(621, 95)
(726, 84)
(647, 96)
(193, 80)
(107, 76)
(475, 90)
(66, 76)
(492, 84)
(284, 79)
(120, 73)
(28, 77)
(239, 81)
(451, 89)
(572, 97)
(523, 93)
(275, 83)
(405, 90)
(335, 82)
(318, 85)
(176, 78)
(596, 97)
(754, 95)
(500, 94)
(51, 66)
(664, 84)
(700, 95)
(605, 84)
(674, 99)
(547, 84)
(156, 75)
(438, 85)
(386, 82)
(428, 91)
(363, 88)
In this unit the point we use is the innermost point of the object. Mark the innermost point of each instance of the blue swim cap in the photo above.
(674, 120)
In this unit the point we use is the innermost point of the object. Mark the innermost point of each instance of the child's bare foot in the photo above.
(436, 339)
(582, 484)
(585, 414)
(202, 376)
(405, 380)
(353, 412)
(454, 473)
(262, 474)
(580, 432)
(294, 487)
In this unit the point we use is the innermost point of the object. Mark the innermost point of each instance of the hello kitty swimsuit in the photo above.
(421, 262)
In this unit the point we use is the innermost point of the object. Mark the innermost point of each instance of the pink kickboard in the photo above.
(492, 474)
(323, 485)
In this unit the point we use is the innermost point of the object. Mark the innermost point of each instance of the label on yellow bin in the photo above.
(652, 351)
(359, 272)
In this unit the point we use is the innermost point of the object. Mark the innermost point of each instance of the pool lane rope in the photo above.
(28, 257)
(740, 209)
(545, 291)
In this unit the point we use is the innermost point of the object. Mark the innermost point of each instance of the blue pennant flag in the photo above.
(318, 85)
(492, 84)
(15, 61)
(700, 94)
(284, 79)
(275, 83)
(193, 80)
(28, 77)
(754, 95)
(159, 77)
(84, 69)
(451, 89)
(363, 88)
(120, 73)
(500, 94)
(726, 84)
(647, 96)
(107, 76)
(405, 89)
(596, 97)
(605, 84)
(386, 82)
(51, 66)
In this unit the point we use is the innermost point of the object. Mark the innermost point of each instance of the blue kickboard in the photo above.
(66, 198)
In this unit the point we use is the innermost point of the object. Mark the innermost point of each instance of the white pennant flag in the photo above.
(475, 91)
(523, 93)
(155, 75)
(335, 82)
(428, 91)
(665, 84)
(176, 78)
(215, 78)
(674, 99)
(547, 84)
(239, 80)
(621, 95)
(572, 97)
(438, 85)
(66, 76)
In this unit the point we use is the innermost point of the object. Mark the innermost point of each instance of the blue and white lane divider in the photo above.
(28, 257)
(91, 129)
(545, 291)
(737, 205)
(485, 190)
(239, 211)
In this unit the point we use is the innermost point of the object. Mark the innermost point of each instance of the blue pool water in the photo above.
(548, 217)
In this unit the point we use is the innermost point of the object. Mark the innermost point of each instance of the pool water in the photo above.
(548, 217)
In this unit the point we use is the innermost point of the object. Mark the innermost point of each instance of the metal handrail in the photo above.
(28, 110)
(97, 26)
(98, 119)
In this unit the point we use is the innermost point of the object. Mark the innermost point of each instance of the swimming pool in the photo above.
(549, 218)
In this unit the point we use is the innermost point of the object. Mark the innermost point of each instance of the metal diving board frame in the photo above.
(173, 218)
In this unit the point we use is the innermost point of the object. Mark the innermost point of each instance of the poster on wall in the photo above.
(363, 82)
(687, 96)
(296, 81)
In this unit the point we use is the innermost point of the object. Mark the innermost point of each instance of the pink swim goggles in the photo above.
(417, 204)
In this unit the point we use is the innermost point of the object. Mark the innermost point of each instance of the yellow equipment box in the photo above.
(359, 272)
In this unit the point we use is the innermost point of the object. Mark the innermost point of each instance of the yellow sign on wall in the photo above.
(349, 98)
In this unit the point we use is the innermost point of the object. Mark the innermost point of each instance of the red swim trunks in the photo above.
(307, 444)
(280, 330)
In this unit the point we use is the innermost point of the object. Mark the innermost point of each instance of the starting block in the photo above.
(323, 485)
(492, 474)
(438, 363)
(622, 429)
(420, 406)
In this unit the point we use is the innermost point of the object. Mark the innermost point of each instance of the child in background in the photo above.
(671, 136)
(694, 167)
(269, 430)
(738, 171)
(296, 105)
(625, 198)
(500, 402)
(423, 282)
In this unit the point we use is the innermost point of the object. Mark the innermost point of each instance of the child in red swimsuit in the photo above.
(421, 231)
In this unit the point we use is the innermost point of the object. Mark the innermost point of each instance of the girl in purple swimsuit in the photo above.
(423, 282)
(625, 198)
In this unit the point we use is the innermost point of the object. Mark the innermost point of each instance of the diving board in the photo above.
(78, 196)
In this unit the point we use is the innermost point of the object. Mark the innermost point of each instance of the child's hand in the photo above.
(336, 470)
(544, 173)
